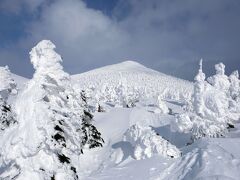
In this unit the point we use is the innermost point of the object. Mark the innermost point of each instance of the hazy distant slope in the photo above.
(136, 75)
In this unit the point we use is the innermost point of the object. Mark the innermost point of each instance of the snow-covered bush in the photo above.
(155, 104)
(147, 143)
(162, 106)
(199, 127)
(54, 125)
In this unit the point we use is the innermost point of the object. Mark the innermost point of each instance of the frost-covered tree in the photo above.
(51, 118)
(234, 86)
(147, 143)
(199, 88)
(101, 96)
(126, 96)
(234, 96)
(7, 87)
(220, 81)
(209, 115)
(230, 87)
(91, 136)
(122, 93)
(7, 84)
(7, 117)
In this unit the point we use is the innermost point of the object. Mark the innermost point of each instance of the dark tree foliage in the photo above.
(91, 136)
(6, 115)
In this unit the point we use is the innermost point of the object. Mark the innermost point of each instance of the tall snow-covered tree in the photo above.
(199, 88)
(50, 115)
(91, 136)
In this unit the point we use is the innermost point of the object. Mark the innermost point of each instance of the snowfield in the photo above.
(146, 118)
(217, 158)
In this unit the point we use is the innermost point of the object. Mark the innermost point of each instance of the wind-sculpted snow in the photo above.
(147, 143)
(212, 159)
(217, 158)
(151, 83)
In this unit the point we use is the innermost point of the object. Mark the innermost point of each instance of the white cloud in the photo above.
(162, 34)
(82, 35)
(15, 6)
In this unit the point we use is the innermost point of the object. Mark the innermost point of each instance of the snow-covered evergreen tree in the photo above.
(229, 87)
(91, 136)
(234, 86)
(51, 118)
(7, 117)
(7, 84)
(199, 88)
(234, 96)
(147, 143)
(210, 115)
(220, 81)
(122, 93)
(7, 87)
(126, 96)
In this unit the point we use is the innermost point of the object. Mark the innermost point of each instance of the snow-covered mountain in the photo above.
(136, 75)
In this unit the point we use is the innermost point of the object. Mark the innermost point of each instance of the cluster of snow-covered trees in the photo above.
(53, 122)
(214, 107)
(122, 95)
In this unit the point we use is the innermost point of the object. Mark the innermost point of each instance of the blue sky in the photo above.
(169, 36)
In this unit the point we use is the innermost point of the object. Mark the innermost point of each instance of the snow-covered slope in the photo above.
(206, 159)
(136, 75)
